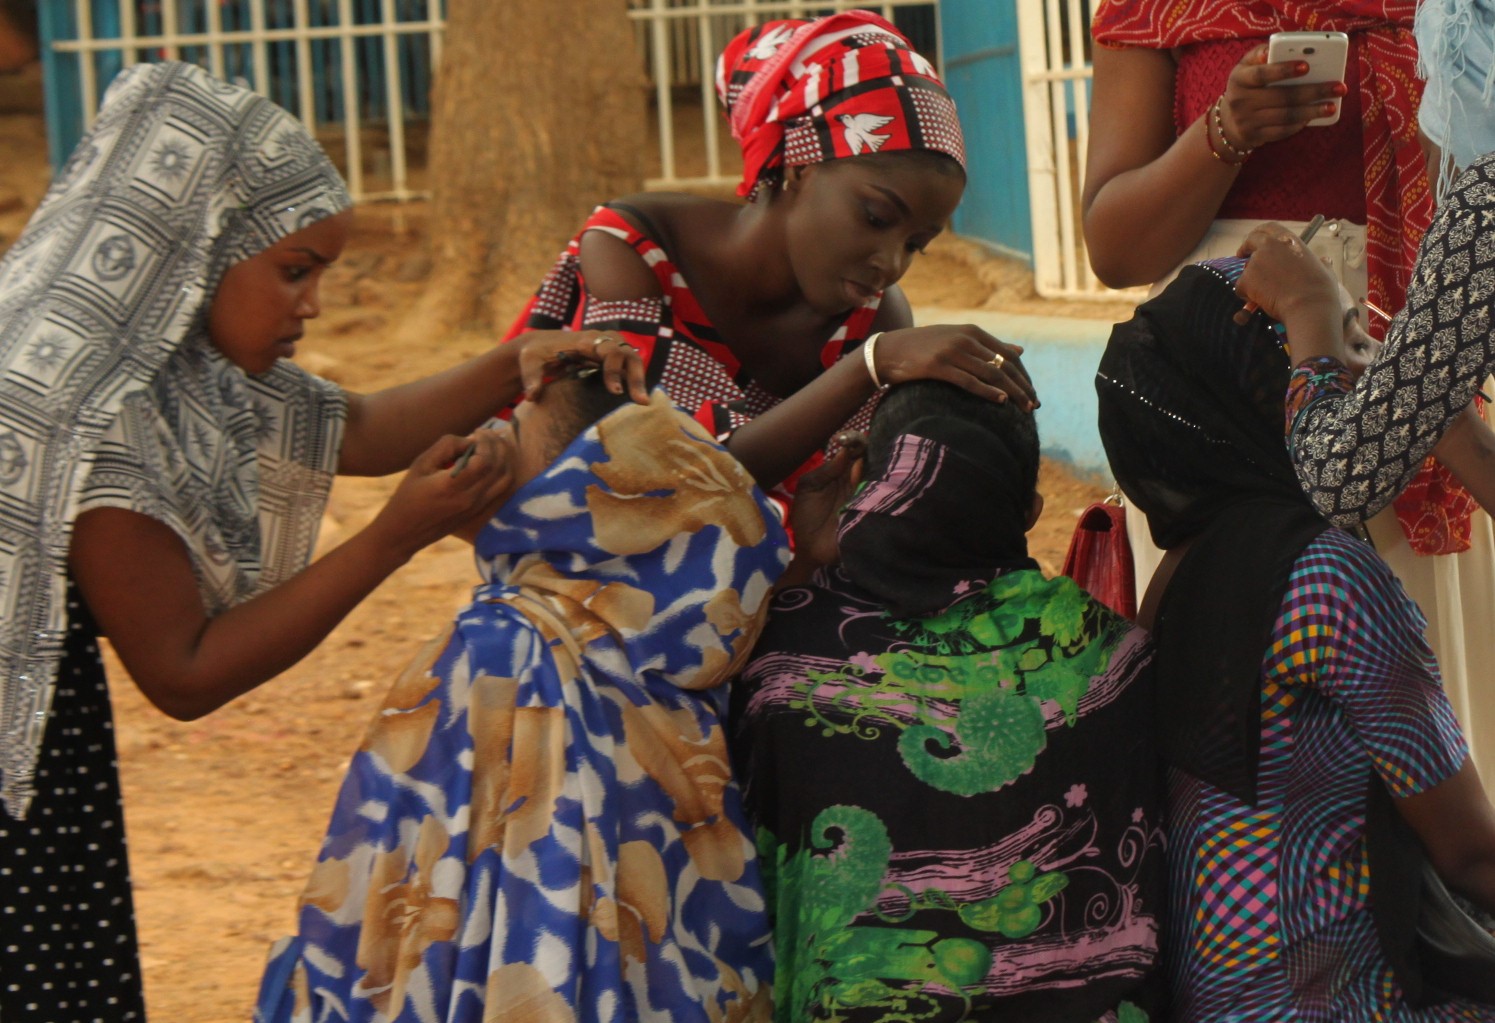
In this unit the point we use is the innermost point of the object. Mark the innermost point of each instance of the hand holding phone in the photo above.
(1325, 53)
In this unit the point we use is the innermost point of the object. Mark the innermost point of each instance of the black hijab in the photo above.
(1191, 416)
(943, 509)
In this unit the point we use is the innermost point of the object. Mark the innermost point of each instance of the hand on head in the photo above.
(963, 355)
(1255, 111)
(543, 353)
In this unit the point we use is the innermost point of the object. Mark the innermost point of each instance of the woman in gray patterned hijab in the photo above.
(163, 471)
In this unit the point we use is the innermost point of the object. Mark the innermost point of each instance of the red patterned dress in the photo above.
(681, 348)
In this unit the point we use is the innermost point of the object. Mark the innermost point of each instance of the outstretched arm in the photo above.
(1468, 450)
(1357, 447)
(388, 429)
(780, 440)
(137, 577)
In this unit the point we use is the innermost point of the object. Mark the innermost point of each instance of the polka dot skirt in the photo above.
(67, 922)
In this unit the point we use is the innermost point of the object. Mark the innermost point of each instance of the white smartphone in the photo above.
(1325, 53)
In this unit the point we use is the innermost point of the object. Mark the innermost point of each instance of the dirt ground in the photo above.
(225, 815)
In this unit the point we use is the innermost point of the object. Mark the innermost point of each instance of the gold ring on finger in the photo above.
(998, 359)
(597, 343)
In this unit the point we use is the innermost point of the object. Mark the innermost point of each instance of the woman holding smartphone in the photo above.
(1197, 137)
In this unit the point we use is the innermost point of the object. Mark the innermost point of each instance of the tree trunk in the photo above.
(539, 116)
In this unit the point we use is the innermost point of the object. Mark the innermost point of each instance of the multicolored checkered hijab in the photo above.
(799, 92)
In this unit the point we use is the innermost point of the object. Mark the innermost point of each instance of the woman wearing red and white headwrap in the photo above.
(745, 313)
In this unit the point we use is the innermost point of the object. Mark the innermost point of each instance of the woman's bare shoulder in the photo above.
(612, 268)
(672, 215)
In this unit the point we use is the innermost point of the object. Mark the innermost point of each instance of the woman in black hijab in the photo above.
(1299, 706)
(928, 738)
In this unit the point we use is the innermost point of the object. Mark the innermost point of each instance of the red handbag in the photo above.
(1100, 557)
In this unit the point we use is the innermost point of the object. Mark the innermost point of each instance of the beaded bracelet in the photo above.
(867, 357)
(1209, 140)
(1220, 130)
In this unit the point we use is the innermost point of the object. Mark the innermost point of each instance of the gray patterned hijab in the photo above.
(111, 393)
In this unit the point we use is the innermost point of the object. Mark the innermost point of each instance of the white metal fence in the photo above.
(1054, 47)
(342, 65)
(357, 67)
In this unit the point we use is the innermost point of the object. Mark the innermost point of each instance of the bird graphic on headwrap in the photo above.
(769, 43)
(859, 129)
(794, 90)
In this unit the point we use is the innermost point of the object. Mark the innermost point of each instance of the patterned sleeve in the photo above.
(1349, 630)
(1312, 381)
(1355, 451)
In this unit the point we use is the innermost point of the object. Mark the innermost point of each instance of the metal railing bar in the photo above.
(215, 28)
(88, 73)
(663, 100)
(394, 99)
(708, 100)
(127, 31)
(352, 139)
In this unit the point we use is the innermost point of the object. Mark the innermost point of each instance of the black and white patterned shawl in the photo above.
(1355, 452)
(110, 391)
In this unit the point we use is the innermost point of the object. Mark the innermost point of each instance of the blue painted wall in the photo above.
(984, 75)
(1061, 354)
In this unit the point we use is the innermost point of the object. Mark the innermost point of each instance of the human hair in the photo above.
(927, 159)
(1006, 422)
(22, 15)
(581, 399)
(923, 160)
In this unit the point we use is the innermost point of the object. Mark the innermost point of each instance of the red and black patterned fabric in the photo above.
(681, 348)
(799, 92)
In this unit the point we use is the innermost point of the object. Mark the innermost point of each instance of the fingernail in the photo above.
(1301, 67)
(1328, 108)
(1341, 89)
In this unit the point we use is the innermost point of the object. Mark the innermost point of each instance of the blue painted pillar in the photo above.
(60, 72)
(984, 73)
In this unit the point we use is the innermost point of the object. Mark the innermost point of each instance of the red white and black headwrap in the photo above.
(799, 92)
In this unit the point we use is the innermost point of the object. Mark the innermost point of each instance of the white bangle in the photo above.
(867, 356)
